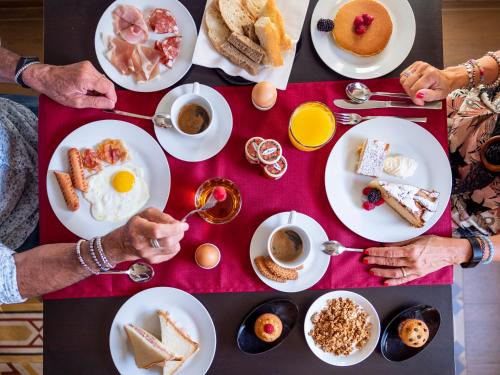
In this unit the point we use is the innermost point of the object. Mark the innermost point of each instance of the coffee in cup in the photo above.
(287, 245)
(193, 118)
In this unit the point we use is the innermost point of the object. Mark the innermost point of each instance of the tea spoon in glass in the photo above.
(336, 248)
(137, 272)
(217, 195)
(161, 120)
(358, 92)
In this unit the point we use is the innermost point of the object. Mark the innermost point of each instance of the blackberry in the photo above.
(325, 24)
(374, 196)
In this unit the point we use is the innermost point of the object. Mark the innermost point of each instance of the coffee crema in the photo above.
(193, 119)
(286, 245)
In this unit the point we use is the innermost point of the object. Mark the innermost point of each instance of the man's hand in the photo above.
(77, 85)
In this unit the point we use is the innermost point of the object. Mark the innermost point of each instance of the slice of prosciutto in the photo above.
(162, 21)
(169, 49)
(146, 63)
(129, 24)
(120, 55)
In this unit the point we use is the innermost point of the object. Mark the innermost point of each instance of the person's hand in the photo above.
(133, 240)
(77, 85)
(425, 83)
(410, 260)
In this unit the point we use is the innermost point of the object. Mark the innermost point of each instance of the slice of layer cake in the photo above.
(414, 204)
(372, 154)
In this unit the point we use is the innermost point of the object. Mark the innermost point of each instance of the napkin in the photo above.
(294, 13)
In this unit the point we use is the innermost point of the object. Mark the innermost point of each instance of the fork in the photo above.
(354, 118)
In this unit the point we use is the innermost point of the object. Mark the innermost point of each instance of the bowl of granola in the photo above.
(342, 328)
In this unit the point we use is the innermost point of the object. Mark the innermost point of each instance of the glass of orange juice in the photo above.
(312, 125)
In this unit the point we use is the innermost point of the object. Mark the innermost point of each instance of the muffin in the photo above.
(268, 327)
(413, 332)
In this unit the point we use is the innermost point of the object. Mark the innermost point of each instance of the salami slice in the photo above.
(169, 49)
(163, 22)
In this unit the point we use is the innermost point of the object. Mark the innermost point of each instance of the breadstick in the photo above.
(281, 272)
(260, 264)
(76, 170)
(67, 190)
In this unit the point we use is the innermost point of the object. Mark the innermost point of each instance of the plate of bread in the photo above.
(253, 39)
(162, 331)
(388, 179)
(363, 39)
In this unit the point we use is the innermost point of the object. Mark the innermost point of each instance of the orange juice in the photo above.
(312, 125)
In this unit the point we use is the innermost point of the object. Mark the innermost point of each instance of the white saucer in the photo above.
(356, 356)
(184, 309)
(315, 266)
(196, 149)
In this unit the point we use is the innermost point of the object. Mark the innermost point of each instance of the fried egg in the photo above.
(117, 192)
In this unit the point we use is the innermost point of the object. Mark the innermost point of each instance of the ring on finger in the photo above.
(406, 74)
(154, 243)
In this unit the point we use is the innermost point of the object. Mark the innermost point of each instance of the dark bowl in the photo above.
(285, 309)
(392, 347)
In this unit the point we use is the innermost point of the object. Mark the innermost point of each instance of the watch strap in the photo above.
(477, 253)
(22, 65)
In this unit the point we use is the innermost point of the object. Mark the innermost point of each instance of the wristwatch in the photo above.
(21, 66)
(477, 253)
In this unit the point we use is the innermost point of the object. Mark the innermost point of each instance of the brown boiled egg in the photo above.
(264, 96)
(207, 256)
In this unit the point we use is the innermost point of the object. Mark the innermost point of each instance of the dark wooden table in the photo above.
(76, 331)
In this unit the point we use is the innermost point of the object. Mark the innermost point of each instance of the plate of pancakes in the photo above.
(370, 38)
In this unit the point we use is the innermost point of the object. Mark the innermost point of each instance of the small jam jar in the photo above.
(251, 148)
(277, 170)
(269, 152)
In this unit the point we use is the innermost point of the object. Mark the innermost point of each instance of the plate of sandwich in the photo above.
(162, 331)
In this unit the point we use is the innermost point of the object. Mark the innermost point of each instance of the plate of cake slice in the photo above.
(388, 179)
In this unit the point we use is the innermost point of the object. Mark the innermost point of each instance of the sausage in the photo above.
(67, 190)
(76, 170)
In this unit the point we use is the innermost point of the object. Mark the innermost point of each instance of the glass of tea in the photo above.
(312, 125)
(223, 212)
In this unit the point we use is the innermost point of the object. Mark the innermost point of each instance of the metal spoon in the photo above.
(210, 203)
(358, 92)
(161, 120)
(336, 248)
(137, 272)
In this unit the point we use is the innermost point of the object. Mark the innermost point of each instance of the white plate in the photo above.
(316, 264)
(350, 65)
(167, 77)
(196, 149)
(358, 355)
(145, 153)
(184, 309)
(344, 187)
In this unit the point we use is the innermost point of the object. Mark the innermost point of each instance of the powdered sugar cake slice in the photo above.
(372, 154)
(413, 203)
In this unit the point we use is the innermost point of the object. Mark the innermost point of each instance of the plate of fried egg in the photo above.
(103, 173)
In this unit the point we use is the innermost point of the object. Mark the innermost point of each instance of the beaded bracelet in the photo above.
(470, 74)
(497, 81)
(480, 69)
(491, 248)
(484, 247)
(80, 258)
(94, 257)
(104, 259)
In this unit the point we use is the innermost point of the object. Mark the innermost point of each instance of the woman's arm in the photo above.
(420, 257)
(48, 268)
(425, 83)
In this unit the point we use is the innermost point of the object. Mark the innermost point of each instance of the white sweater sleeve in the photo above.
(9, 291)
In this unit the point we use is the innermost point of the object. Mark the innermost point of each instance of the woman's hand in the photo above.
(133, 240)
(425, 83)
(410, 260)
(77, 85)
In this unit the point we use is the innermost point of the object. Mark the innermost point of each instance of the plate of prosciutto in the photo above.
(147, 46)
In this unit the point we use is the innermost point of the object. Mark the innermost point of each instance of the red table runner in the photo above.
(302, 189)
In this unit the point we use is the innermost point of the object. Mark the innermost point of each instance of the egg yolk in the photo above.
(123, 181)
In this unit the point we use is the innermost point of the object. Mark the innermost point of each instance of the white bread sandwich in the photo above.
(148, 350)
(177, 341)
(269, 38)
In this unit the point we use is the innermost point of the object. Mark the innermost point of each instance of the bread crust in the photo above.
(67, 190)
(76, 170)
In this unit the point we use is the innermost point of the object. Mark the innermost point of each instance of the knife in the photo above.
(347, 104)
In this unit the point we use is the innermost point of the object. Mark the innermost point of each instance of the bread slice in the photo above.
(235, 15)
(249, 31)
(372, 154)
(246, 46)
(271, 10)
(177, 341)
(269, 38)
(148, 350)
(414, 204)
(217, 30)
(254, 7)
(238, 58)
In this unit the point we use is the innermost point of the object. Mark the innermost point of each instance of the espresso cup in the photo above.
(193, 97)
(304, 236)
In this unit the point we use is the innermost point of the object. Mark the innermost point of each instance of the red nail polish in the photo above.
(386, 283)
(365, 261)
(371, 272)
(420, 95)
(366, 252)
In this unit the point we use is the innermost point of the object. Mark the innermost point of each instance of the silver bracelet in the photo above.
(16, 77)
(497, 81)
(80, 258)
(104, 259)
(489, 259)
(470, 74)
(94, 257)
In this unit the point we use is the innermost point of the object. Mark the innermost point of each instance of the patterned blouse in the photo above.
(18, 189)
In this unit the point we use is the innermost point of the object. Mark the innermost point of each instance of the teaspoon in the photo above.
(161, 120)
(358, 92)
(336, 248)
(137, 272)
